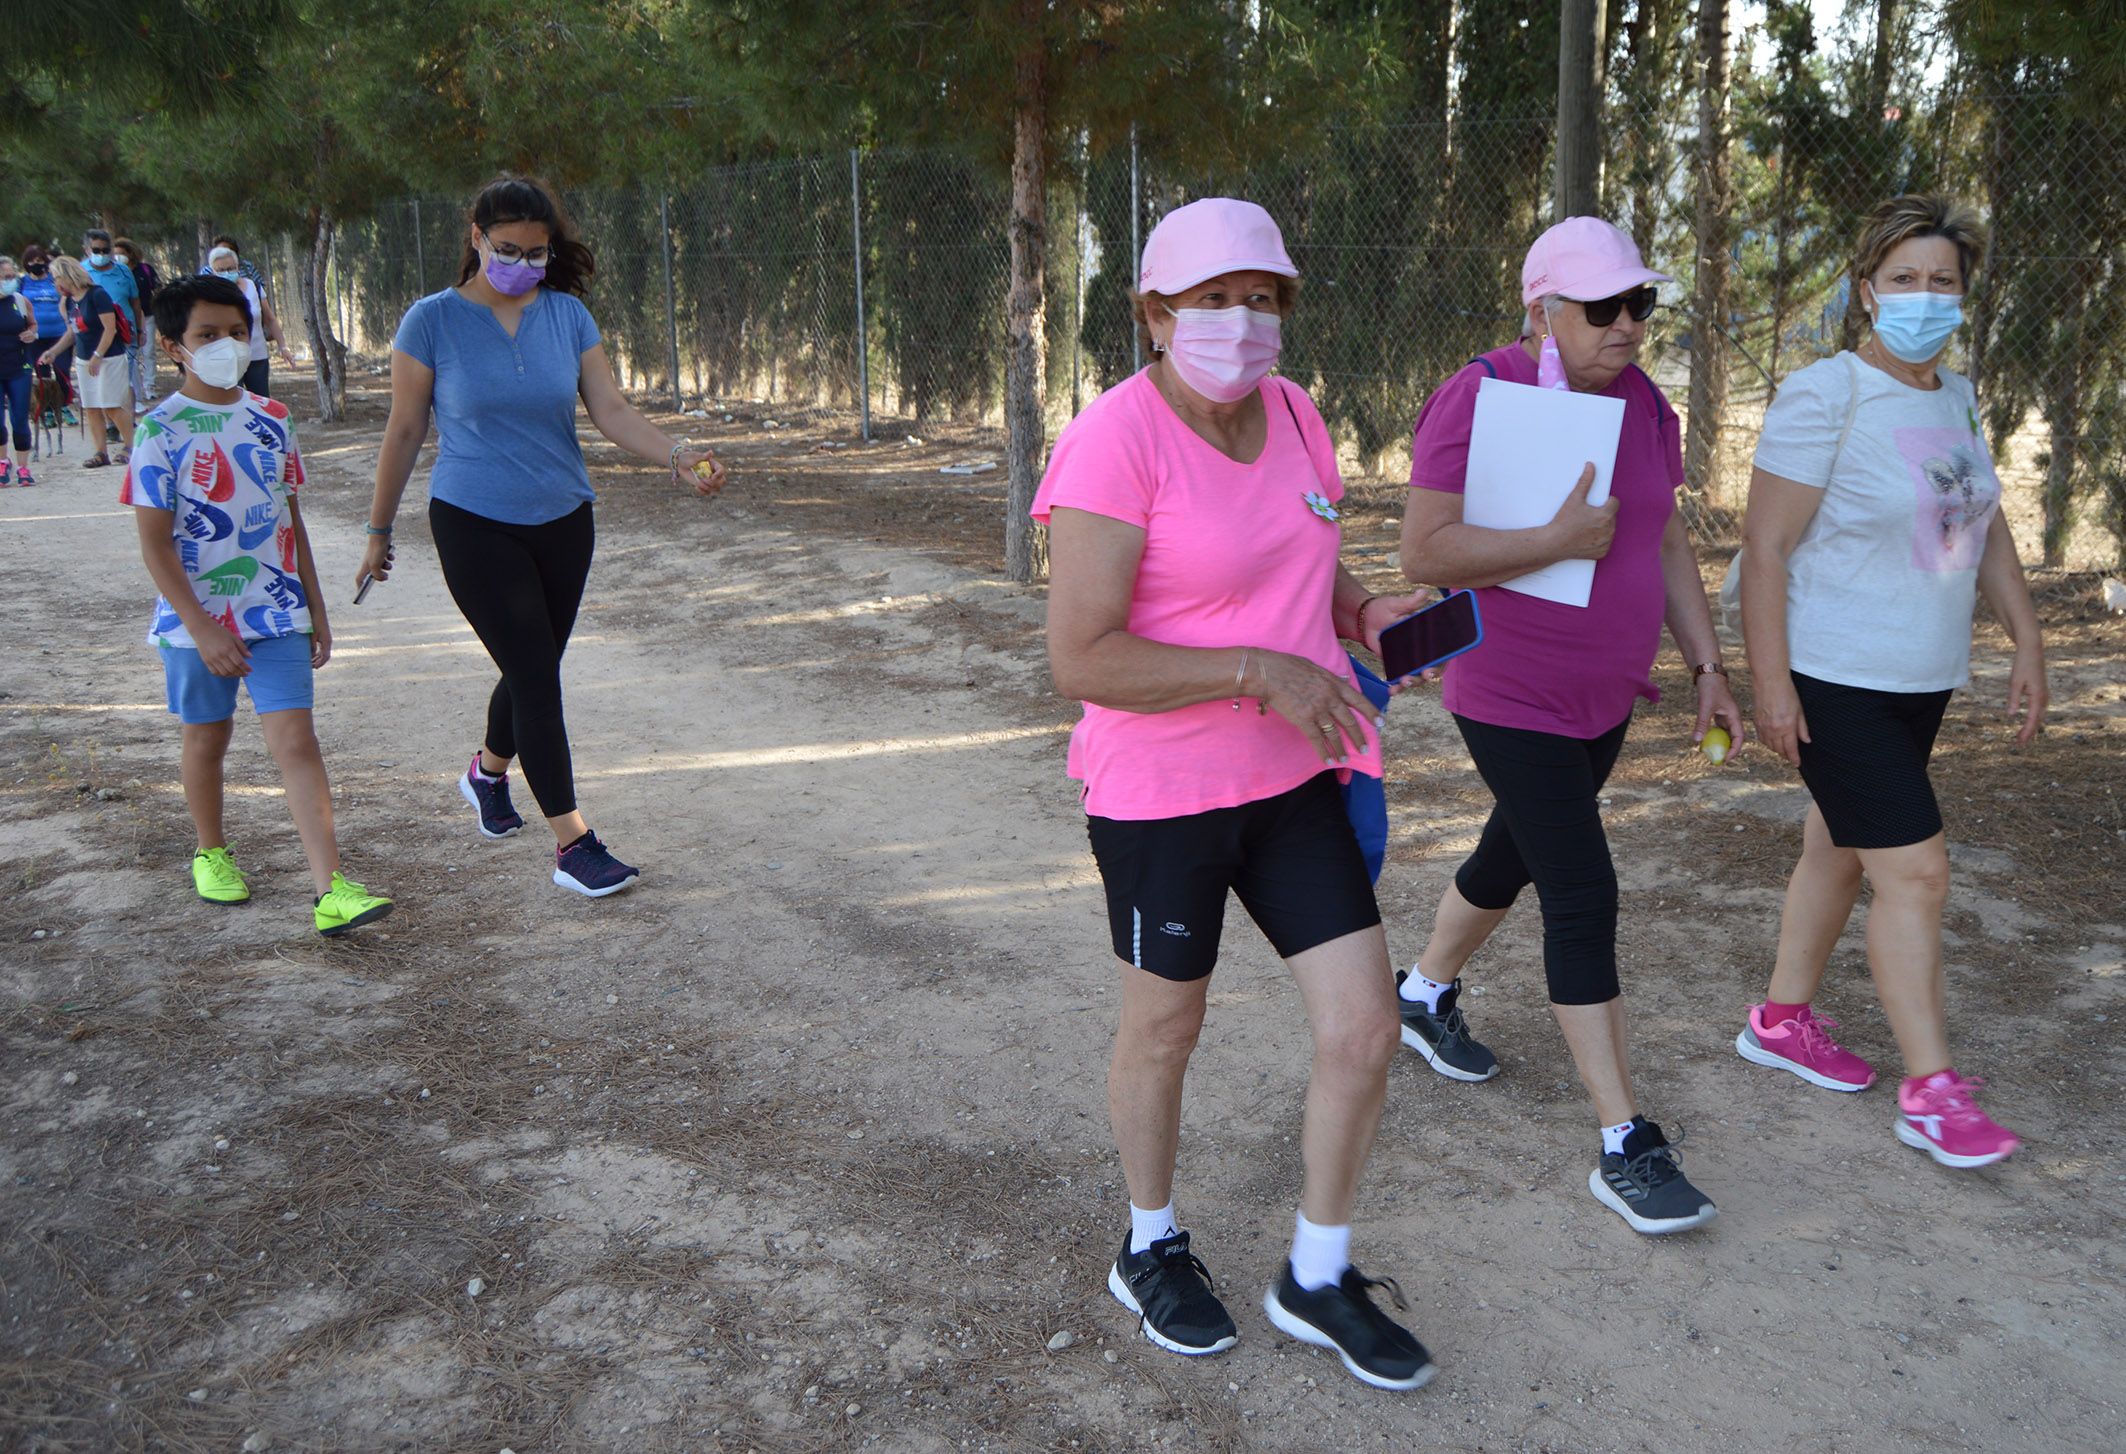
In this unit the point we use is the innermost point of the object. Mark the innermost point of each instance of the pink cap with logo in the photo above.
(1585, 259)
(1206, 238)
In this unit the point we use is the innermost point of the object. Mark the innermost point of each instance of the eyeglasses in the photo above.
(99, 252)
(538, 257)
(1603, 311)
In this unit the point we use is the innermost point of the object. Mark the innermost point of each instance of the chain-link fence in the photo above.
(876, 282)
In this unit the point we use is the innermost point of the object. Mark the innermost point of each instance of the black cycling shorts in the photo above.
(1293, 860)
(1866, 761)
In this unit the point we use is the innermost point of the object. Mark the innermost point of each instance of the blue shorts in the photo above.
(279, 680)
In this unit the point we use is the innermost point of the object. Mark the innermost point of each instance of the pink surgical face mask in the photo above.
(1223, 353)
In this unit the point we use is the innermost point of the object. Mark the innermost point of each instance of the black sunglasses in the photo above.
(1603, 311)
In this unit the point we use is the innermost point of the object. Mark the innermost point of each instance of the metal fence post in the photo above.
(671, 300)
(1136, 243)
(420, 252)
(863, 339)
(1077, 300)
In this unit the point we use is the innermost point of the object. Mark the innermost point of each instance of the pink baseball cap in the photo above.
(1206, 238)
(1585, 259)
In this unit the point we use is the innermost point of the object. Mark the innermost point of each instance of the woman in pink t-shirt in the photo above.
(1545, 704)
(1195, 604)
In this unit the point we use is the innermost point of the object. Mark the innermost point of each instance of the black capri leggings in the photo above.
(17, 393)
(1546, 829)
(519, 587)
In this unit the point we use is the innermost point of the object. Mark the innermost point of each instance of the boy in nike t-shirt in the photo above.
(212, 480)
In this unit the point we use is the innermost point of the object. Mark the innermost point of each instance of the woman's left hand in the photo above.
(1385, 611)
(1716, 705)
(320, 640)
(2027, 693)
(687, 468)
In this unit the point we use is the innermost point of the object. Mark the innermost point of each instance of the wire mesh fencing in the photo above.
(876, 282)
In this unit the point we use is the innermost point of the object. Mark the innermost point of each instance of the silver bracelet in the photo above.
(1241, 676)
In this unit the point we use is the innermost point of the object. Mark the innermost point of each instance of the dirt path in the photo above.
(802, 1144)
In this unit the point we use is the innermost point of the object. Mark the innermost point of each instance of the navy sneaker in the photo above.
(1169, 1289)
(1342, 1318)
(1442, 1035)
(1645, 1185)
(590, 870)
(490, 799)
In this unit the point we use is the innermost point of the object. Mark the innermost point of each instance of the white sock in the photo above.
(1613, 1137)
(1146, 1228)
(483, 774)
(1319, 1254)
(1421, 991)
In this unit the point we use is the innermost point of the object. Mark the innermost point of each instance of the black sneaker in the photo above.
(1442, 1035)
(1377, 1349)
(589, 868)
(1645, 1185)
(1169, 1289)
(490, 799)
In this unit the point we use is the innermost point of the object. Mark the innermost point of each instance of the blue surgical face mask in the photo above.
(1916, 326)
(7, 287)
(99, 260)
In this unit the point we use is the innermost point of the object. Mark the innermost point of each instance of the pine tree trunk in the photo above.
(1874, 104)
(1578, 188)
(1708, 351)
(330, 353)
(1025, 340)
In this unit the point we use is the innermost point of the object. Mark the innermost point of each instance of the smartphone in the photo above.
(363, 589)
(1424, 639)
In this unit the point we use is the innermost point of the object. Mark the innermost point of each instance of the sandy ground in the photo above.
(801, 1145)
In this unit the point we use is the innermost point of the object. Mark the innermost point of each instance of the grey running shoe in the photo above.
(1442, 1036)
(1645, 1185)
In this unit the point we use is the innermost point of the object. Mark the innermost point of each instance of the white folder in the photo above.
(1527, 447)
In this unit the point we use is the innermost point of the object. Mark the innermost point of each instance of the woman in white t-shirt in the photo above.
(1873, 524)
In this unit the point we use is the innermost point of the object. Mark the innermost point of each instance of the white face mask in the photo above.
(220, 364)
(1223, 353)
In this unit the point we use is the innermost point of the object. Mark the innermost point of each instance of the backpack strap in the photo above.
(1852, 407)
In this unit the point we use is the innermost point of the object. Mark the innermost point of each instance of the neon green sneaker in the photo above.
(347, 905)
(217, 878)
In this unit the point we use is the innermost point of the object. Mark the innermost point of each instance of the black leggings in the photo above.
(519, 587)
(16, 391)
(1546, 829)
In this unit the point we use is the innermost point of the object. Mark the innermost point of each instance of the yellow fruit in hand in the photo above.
(705, 468)
(1716, 744)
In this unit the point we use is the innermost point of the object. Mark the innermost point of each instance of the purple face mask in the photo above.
(513, 279)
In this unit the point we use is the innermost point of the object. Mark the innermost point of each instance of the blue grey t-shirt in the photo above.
(505, 408)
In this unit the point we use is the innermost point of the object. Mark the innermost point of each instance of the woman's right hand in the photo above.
(1780, 724)
(1322, 705)
(376, 560)
(1580, 531)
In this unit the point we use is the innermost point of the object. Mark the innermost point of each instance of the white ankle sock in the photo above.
(1421, 991)
(1613, 1137)
(1319, 1254)
(483, 774)
(1146, 1228)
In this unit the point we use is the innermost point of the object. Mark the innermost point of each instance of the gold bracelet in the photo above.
(1360, 618)
(1241, 676)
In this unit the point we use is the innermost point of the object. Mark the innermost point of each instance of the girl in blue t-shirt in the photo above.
(500, 361)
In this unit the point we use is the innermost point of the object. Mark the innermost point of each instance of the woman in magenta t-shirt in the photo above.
(1195, 605)
(1545, 704)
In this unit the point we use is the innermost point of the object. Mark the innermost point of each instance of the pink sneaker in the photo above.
(1940, 1119)
(1802, 1046)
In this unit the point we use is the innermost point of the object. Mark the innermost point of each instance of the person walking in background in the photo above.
(99, 254)
(1874, 523)
(41, 290)
(499, 361)
(245, 270)
(1195, 602)
(142, 355)
(223, 263)
(95, 327)
(1545, 704)
(213, 493)
(18, 338)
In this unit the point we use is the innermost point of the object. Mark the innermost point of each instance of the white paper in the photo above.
(1527, 447)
